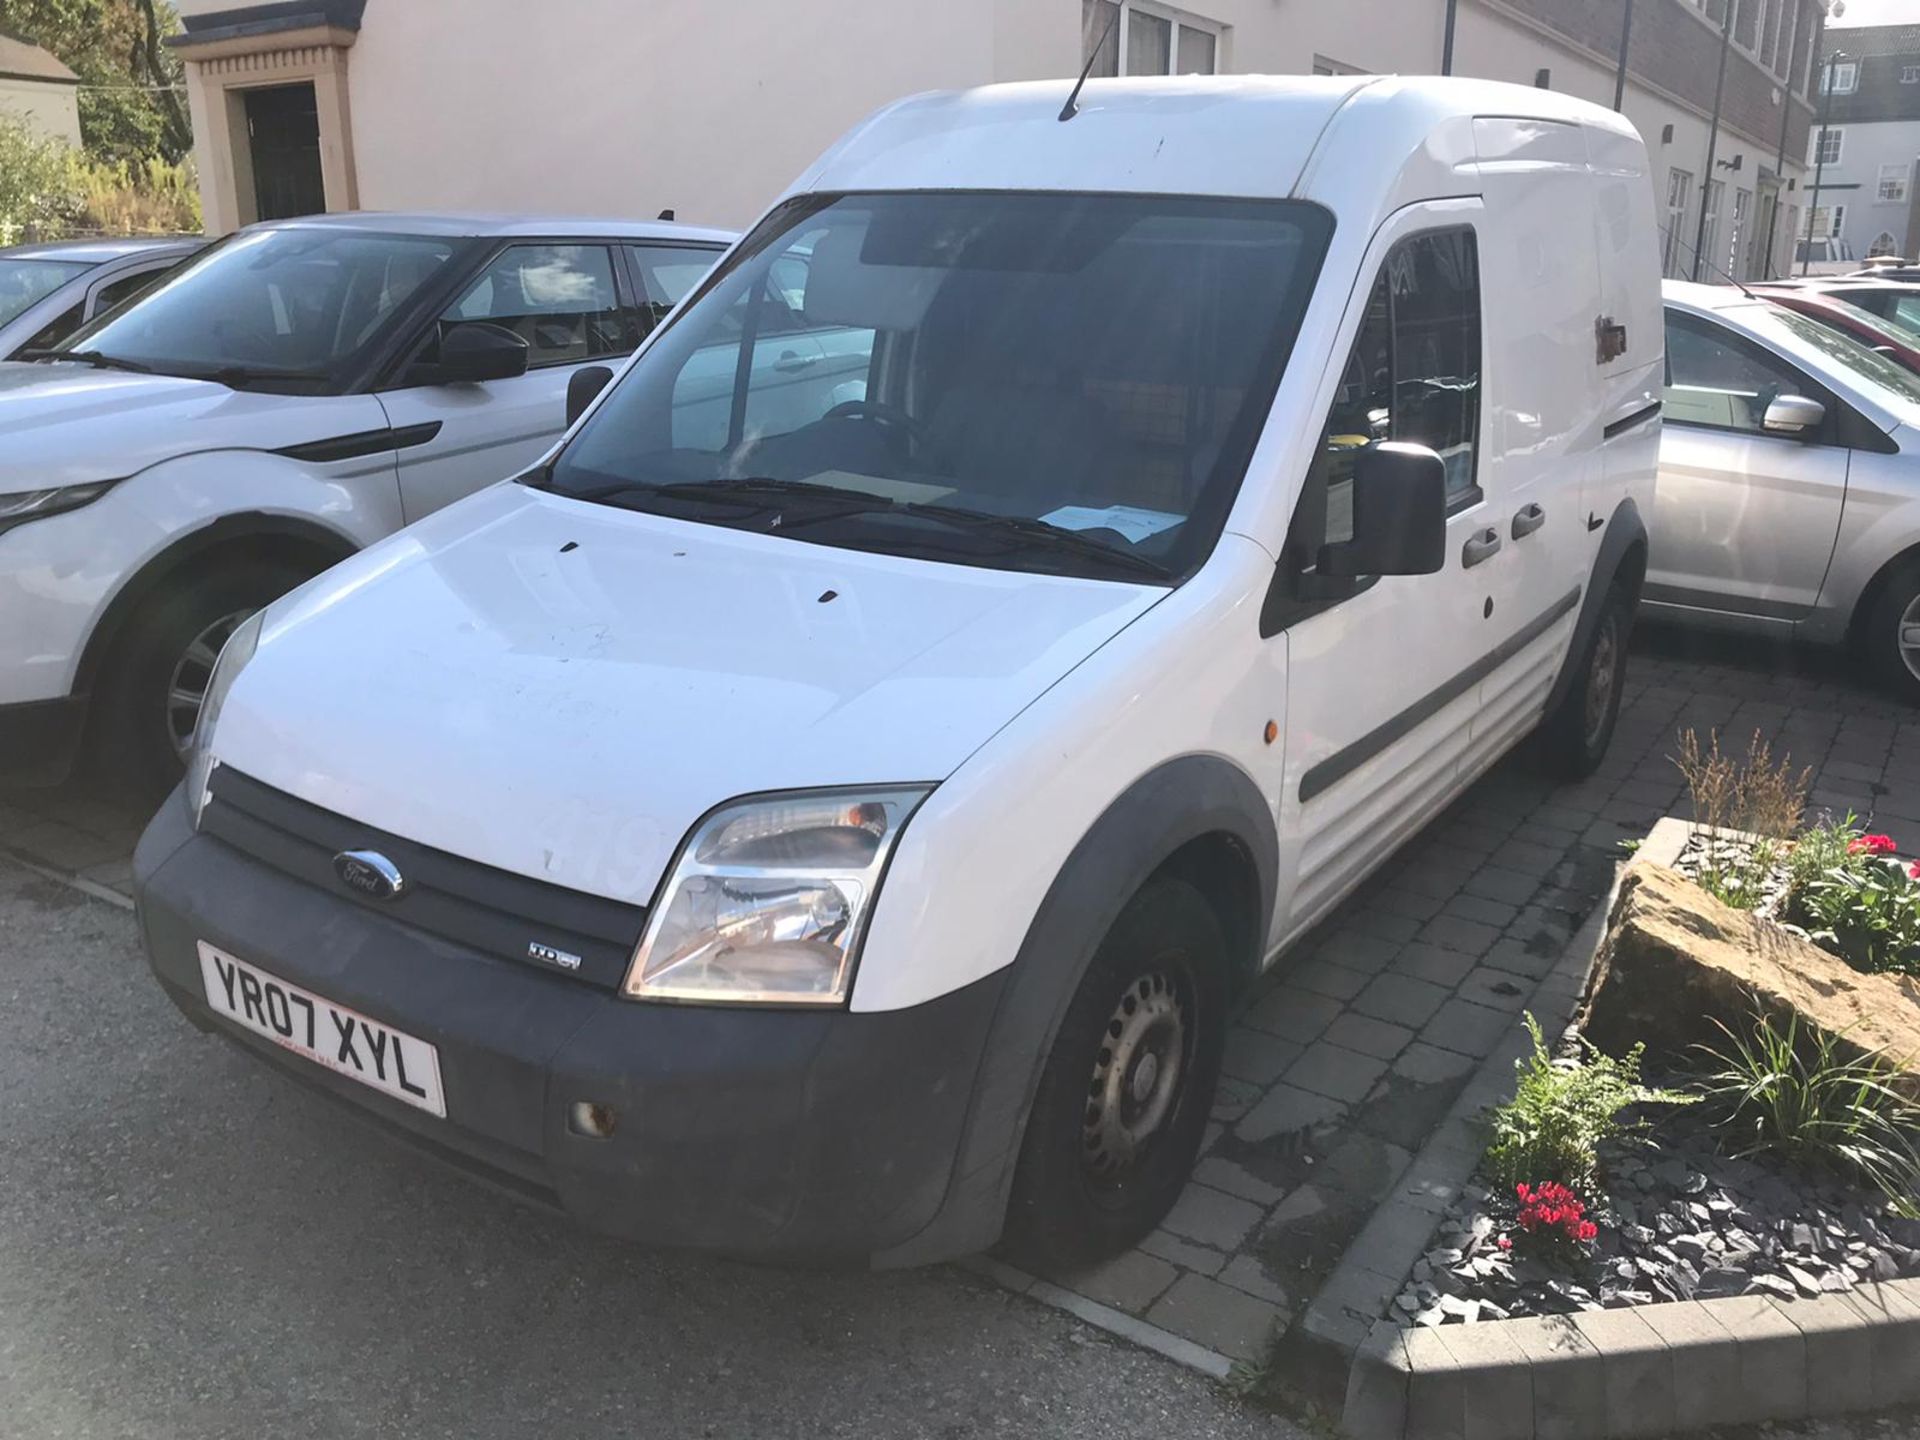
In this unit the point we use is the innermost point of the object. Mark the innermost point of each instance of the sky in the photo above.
(1878, 12)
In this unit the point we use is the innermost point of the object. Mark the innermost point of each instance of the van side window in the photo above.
(1413, 374)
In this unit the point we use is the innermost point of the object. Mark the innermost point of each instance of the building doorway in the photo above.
(283, 140)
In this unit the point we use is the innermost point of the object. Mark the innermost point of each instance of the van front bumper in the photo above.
(771, 1134)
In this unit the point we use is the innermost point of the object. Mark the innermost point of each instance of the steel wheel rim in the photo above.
(1137, 1076)
(192, 673)
(1603, 673)
(1906, 636)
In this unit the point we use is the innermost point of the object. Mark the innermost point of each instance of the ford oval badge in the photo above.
(370, 873)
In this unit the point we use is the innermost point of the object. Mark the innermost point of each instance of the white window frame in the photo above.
(1837, 134)
(1836, 221)
(1843, 75)
(1679, 242)
(1180, 20)
(1890, 186)
(1910, 74)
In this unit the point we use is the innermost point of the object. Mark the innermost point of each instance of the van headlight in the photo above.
(234, 656)
(768, 899)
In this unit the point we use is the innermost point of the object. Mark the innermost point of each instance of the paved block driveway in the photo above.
(1346, 1057)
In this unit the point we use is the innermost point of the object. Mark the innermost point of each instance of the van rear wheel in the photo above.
(1124, 1098)
(1573, 739)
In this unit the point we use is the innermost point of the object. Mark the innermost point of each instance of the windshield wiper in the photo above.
(752, 491)
(1043, 533)
(238, 377)
(98, 359)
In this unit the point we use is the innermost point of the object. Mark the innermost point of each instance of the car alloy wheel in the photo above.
(1907, 637)
(187, 686)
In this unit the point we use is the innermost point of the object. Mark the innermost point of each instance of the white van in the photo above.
(844, 834)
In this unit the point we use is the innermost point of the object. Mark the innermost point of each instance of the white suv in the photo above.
(298, 392)
(834, 824)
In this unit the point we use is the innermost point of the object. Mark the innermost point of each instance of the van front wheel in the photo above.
(1573, 739)
(1123, 1101)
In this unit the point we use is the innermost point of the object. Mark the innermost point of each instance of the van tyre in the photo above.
(1573, 740)
(1124, 1098)
(1890, 633)
(163, 663)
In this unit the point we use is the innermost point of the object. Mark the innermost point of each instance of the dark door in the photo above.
(283, 129)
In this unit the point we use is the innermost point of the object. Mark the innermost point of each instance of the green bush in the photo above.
(1853, 898)
(1799, 1097)
(1560, 1113)
(36, 183)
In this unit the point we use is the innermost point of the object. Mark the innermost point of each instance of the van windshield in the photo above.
(1054, 382)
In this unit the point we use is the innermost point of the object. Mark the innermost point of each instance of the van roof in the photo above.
(1239, 135)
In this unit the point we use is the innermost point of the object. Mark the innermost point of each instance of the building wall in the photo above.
(1854, 182)
(575, 105)
(50, 109)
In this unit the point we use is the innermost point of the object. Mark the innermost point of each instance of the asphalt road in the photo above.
(193, 1247)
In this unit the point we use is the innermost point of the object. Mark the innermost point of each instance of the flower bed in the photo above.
(1781, 1154)
(1673, 1219)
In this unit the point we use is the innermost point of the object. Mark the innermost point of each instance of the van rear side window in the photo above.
(1413, 374)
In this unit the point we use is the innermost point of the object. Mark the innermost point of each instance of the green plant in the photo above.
(1561, 1111)
(1799, 1096)
(36, 189)
(1853, 898)
(1753, 795)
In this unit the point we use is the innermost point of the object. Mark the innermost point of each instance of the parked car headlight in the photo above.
(768, 899)
(234, 656)
(25, 505)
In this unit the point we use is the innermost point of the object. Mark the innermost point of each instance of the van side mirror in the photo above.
(585, 383)
(1399, 515)
(474, 351)
(1793, 416)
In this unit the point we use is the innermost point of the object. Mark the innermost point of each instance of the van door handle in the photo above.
(1529, 519)
(1480, 547)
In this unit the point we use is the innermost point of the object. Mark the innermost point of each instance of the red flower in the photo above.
(1553, 1209)
(1872, 845)
(1504, 1243)
(1913, 871)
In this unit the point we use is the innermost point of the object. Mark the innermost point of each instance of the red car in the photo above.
(1818, 302)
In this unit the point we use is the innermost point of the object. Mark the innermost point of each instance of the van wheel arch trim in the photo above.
(1180, 801)
(1625, 533)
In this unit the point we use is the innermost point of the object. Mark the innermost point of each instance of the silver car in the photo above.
(49, 291)
(1789, 493)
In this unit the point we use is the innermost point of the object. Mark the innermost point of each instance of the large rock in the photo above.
(1675, 959)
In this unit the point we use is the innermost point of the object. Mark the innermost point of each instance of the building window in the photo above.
(1710, 232)
(1679, 198)
(1826, 146)
(1125, 37)
(1742, 213)
(1824, 222)
(1910, 74)
(1770, 34)
(1893, 183)
(1842, 77)
(1883, 244)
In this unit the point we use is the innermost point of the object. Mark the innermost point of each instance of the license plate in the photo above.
(312, 1026)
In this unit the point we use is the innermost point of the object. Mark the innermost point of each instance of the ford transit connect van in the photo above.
(835, 822)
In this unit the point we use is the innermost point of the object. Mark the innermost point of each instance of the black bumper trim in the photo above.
(767, 1134)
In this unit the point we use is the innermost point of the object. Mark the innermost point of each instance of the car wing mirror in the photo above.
(1793, 416)
(583, 386)
(475, 351)
(1399, 515)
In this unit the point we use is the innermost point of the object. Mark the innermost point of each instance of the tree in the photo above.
(133, 100)
(35, 182)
